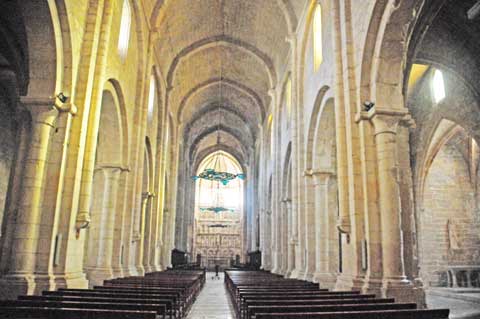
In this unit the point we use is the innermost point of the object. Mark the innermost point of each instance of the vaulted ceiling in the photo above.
(220, 59)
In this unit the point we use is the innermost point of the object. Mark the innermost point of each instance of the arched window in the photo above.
(317, 37)
(124, 34)
(151, 97)
(438, 86)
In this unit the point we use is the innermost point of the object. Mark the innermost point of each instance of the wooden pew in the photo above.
(151, 297)
(170, 310)
(375, 314)
(159, 309)
(178, 308)
(59, 313)
(261, 295)
(253, 310)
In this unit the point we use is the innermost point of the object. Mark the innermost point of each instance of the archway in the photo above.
(449, 219)
(324, 246)
(219, 213)
(108, 166)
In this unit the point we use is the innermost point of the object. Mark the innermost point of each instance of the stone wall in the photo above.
(7, 151)
(449, 231)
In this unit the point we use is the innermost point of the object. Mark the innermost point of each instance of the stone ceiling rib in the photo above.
(228, 42)
(229, 83)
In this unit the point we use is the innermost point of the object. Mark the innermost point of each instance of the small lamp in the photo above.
(82, 222)
(368, 105)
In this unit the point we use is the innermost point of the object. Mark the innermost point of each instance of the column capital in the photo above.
(387, 120)
(41, 109)
(40, 104)
(322, 173)
(110, 167)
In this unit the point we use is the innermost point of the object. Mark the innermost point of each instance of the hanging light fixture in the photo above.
(216, 208)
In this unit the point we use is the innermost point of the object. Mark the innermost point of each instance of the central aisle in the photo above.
(213, 301)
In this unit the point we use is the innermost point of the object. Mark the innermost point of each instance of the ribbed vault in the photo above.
(223, 54)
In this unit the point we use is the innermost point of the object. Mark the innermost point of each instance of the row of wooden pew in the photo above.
(167, 294)
(262, 295)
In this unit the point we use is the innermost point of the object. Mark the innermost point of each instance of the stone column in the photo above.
(118, 258)
(20, 278)
(266, 243)
(148, 241)
(323, 274)
(291, 237)
(165, 256)
(311, 229)
(139, 258)
(395, 283)
(276, 242)
(101, 234)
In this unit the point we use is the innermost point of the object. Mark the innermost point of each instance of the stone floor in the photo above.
(461, 305)
(213, 301)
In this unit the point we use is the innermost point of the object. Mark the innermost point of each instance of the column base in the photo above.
(14, 285)
(275, 270)
(403, 290)
(140, 270)
(297, 274)
(348, 282)
(373, 286)
(96, 276)
(308, 276)
(155, 268)
(288, 273)
(148, 268)
(325, 280)
(117, 272)
(129, 271)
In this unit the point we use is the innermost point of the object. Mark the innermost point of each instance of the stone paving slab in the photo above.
(213, 301)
